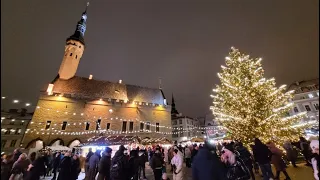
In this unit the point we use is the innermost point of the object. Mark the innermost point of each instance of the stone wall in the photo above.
(74, 111)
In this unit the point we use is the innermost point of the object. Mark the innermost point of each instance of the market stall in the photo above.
(113, 142)
(164, 142)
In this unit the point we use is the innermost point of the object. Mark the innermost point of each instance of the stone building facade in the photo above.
(13, 127)
(74, 108)
(306, 99)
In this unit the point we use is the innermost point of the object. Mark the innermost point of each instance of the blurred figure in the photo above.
(187, 153)
(236, 169)
(34, 170)
(156, 164)
(291, 152)
(93, 165)
(246, 157)
(305, 150)
(277, 160)
(263, 155)
(104, 165)
(133, 165)
(20, 167)
(16, 154)
(177, 163)
(6, 166)
(142, 164)
(75, 167)
(207, 166)
(32, 156)
(315, 160)
(55, 165)
(65, 167)
(119, 165)
(86, 168)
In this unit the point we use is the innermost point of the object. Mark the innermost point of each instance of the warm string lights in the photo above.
(249, 105)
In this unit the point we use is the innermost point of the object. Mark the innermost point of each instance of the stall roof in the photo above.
(110, 140)
(163, 140)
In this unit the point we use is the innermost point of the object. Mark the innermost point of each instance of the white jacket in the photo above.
(315, 168)
(177, 160)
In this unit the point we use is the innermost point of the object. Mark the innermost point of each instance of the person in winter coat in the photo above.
(187, 153)
(93, 165)
(156, 165)
(277, 160)
(20, 167)
(75, 167)
(291, 152)
(55, 165)
(305, 150)
(133, 165)
(315, 160)
(170, 156)
(65, 167)
(263, 155)
(246, 157)
(90, 153)
(119, 164)
(207, 166)
(177, 162)
(104, 165)
(16, 154)
(6, 166)
(236, 169)
(142, 164)
(34, 170)
(194, 152)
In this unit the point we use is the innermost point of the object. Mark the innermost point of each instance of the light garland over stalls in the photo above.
(250, 106)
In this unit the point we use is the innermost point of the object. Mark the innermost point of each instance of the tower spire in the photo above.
(174, 111)
(81, 27)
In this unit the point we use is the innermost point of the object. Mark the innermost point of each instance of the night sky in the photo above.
(184, 42)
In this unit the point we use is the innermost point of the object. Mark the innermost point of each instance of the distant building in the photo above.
(13, 127)
(72, 109)
(183, 127)
(306, 99)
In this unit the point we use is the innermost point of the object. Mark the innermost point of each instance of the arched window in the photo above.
(70, 54)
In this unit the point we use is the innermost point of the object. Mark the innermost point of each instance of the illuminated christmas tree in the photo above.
(250, 106)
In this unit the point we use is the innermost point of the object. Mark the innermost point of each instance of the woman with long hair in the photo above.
(236, 169)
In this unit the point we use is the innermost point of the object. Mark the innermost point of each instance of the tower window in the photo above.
(18, 131)
(98, 124)
(64, 125)
(316, 106)
(70, 54)
(295, 109)
(148, 126)
(141, 127)
(3, 143)
(48, 124)
(124, 126)
(79, 46)
(307, 107)
(108, 126)
(131, 126)
(13, 143)
(87, 126)
(157, 127)
(76, 56)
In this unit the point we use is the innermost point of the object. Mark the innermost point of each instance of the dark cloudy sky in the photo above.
(138, 41)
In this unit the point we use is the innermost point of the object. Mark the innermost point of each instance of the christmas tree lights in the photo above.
(250, 106)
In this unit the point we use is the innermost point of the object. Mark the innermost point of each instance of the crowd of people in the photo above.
(227, 161)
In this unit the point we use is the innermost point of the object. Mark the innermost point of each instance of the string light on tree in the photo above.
(249, 105)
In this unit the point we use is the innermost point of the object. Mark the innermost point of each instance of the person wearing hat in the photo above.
(104, 165)
(315, 160)
(119, 165)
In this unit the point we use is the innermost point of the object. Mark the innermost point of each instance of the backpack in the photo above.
(117, 169)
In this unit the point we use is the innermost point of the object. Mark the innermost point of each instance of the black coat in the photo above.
(75, 169)
(56, 162)
(104, 165)
(65, 169)
(207, 166)
(262, 154)
(120, 158)
(35, 172)
(238, 171)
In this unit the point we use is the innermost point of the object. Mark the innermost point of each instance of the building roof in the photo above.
(305, 85)
(85, 88)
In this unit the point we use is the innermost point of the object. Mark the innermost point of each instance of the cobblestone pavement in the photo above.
(301, 173)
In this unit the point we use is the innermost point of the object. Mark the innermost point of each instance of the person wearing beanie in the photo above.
(315, 160)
